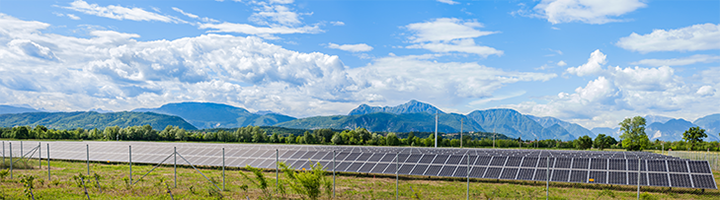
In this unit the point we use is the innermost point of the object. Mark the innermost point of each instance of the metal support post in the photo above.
(334, 173)
(87, 151)
(277, 172)
(461, 132)
(638, 180)
(175, 164)
(130, 161)
(21, 150)
(397, 182)
(48, 160)
(223, 167)
(3, 145)
(39, 156)
(11, 162)
(547, 178)
(467, 176)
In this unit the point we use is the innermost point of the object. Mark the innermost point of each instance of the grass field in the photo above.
(192, 185)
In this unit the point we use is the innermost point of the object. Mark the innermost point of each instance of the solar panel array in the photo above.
(597, 167)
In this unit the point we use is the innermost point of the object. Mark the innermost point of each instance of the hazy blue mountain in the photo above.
(613, 132)
(388, 122)
(558, 132)
(710, 123)
(511, 123)
(649, 119)
(412, 106)
(7, 109)
(574, 129)
(671, 130)
(90, 120)
(214, 115)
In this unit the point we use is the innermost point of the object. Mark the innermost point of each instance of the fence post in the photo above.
(48, 160)
(39, 156)
(547, 178)
(3, 145)
(11, 162)
(638, 180)
(277, 181)
(223, 167)
(333, 174)
(175, 164)
(130, 162)
(87, 151)
(21, 149)
(467, 176)
(397, 182)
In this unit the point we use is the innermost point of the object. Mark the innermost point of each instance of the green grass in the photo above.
(192, 185)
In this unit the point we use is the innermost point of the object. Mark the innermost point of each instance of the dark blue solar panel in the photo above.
(578, 176)
(509, 173)
(433, 170)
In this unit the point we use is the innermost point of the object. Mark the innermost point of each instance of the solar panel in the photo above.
(600, 167)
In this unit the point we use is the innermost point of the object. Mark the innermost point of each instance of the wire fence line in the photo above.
(712, 157)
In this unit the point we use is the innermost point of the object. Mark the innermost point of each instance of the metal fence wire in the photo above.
(712, 157)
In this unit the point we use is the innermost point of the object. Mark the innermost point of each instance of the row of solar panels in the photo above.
(671, 172)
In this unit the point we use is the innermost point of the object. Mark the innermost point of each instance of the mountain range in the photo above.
(413, 116)
(91, 120)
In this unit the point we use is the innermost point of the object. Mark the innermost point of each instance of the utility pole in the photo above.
(494, 137)
(461, 132)
(436, 125)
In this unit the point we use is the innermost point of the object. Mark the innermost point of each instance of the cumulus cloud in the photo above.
(692, 38)
(585, 11)
(119, 12)
(700, 58)
(619, 92)
(593, 66)
(362, 47)
(561, 63)
(449, 35)
(113, 71)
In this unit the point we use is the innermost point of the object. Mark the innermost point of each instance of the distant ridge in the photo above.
(214, 115)
(7, 109)
(91, 120)
(412, 106)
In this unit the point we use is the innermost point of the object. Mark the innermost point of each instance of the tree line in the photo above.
(633, 138)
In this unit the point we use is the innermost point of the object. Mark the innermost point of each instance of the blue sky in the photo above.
(588, 62)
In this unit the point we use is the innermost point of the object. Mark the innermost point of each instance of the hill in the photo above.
(91, 120)
(214, 115)
(7, 109)
(387, 122)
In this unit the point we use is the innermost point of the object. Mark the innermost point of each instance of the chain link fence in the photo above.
(712, 157)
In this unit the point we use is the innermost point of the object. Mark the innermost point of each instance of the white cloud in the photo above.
(184, 13)
(692, 38)
(362, 47)
(451, 2)
(71, 16)
(408, 77)
(275, 14)
(593, 66)
(561, 63)
(119, 12)
(450, 35)
(113, 71)
(227, 27)
(337, 23)
(706, 90)
(618, 92)
(586, 11)
(700, 58)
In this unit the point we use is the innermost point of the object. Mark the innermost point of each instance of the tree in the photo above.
(392, 139)
(337, 139)
(694, 135)
(584, 142)
(634, 137)
(602, 141)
